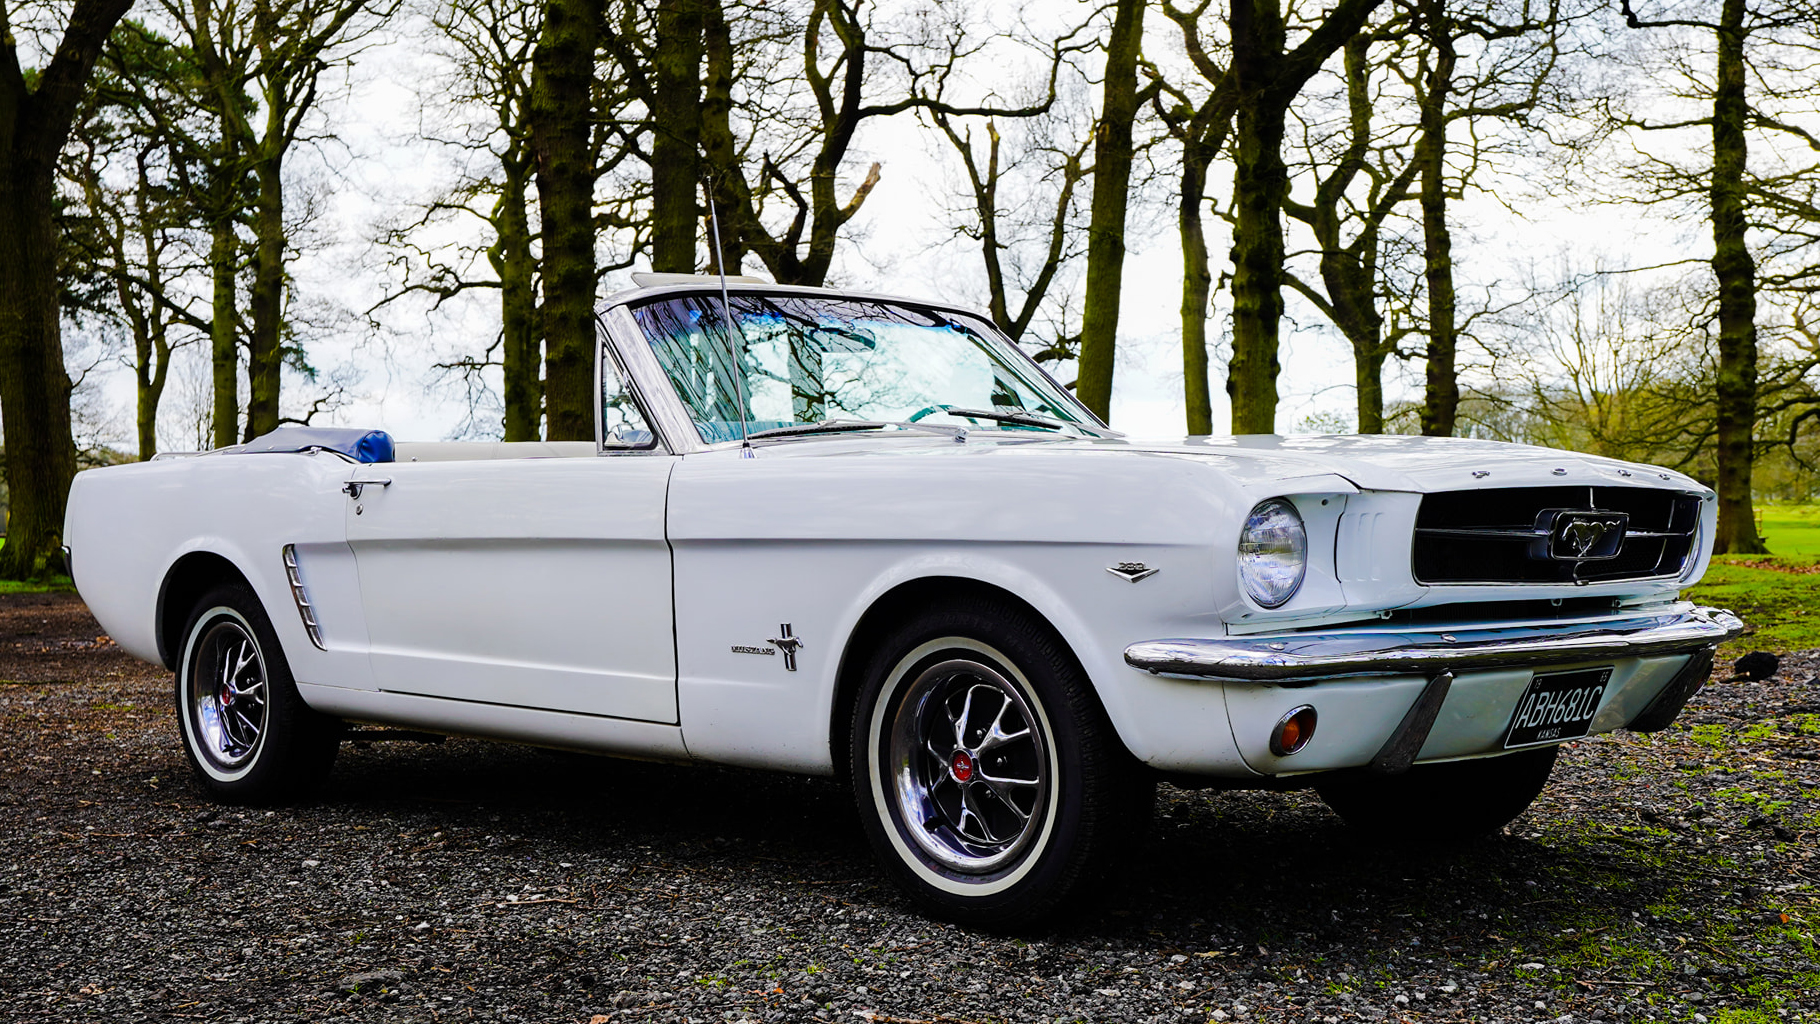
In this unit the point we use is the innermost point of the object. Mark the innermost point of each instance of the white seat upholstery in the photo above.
(473, 451)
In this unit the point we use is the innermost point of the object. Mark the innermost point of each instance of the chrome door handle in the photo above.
(353, 488)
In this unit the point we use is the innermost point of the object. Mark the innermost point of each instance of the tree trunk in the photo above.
(1197, 285)
(521, 348)
(1736, 272)
(676, 136)
(35, 122)
(265, 354)
(34, 389)
(1368, 379)
(224, 342)
(561, 117)
(1266, 81)
(151, 328)
(718, 149)
(1350, 275)
(1441, 397)
(1260, 183)
(1112, 156)
(1351, 272)
(152, 370)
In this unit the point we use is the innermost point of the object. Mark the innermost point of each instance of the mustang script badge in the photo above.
(786, 643)
(1132, 571)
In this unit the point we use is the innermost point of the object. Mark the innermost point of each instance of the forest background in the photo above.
(1581, 224)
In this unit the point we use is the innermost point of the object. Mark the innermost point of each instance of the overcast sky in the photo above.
(379, 167)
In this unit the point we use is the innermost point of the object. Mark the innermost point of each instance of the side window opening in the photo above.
(622, 423)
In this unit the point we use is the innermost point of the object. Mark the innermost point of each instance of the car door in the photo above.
(536, 582)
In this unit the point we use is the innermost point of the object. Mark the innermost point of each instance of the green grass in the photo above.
(1781, 607)
(1635, 868)
(52, 585)
(1791, 531)
(46, 585)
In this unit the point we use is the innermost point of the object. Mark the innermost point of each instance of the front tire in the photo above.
(249, 737)
(990, 782)
(1455, 801)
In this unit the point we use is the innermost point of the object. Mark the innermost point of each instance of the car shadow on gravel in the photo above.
(558, 800)
(1255, 867)
(1226, 869)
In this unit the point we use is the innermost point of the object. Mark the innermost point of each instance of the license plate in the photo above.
(1558, 706)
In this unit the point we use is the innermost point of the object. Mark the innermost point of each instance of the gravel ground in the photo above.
(1664, 878)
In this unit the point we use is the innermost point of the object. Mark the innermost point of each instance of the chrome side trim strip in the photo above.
(297, 594)
(1302, 658)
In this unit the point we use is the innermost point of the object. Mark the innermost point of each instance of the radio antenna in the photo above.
(734, 330)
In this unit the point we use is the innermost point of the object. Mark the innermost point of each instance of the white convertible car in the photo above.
(880, 543)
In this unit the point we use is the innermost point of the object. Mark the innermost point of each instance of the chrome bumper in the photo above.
(1301, 658)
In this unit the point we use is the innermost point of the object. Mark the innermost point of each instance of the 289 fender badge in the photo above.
(1132, 571)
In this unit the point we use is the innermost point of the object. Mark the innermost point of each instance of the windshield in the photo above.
(809, 360)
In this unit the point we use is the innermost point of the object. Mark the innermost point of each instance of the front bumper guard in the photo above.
(1302, 659)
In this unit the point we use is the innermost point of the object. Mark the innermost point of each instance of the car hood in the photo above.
(1377, 462)
(1403, 462)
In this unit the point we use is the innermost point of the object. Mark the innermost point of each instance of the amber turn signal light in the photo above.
(1293, 732)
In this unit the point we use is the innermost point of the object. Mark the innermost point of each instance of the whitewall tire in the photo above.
(247, 734)
(991, 785)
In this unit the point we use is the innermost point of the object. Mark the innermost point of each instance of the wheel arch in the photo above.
(888, 607)
(190, 577)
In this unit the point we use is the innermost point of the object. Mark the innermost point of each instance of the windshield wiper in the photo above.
(1028, 419)
(854, 426)
(822, 427)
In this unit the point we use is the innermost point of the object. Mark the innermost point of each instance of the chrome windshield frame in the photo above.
(671, 417)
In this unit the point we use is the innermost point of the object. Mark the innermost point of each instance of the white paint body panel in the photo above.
(538, 583)
(133, 523)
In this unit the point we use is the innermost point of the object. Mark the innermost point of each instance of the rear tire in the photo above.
(1454, 801)
(991, 784)
(249, 737)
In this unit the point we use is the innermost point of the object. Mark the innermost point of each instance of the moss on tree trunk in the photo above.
(1112, 156)
(35, 121)
(1736, 273)
(676, 136)
(561, 122)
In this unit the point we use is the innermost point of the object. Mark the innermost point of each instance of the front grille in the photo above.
(1500, 535)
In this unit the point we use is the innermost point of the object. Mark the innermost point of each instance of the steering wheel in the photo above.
(928, 410)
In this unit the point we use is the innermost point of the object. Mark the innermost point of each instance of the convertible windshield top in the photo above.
(810, 362)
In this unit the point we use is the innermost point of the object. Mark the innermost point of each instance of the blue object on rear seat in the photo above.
(358, 443)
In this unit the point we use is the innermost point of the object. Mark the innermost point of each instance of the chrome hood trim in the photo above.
(1306, 657)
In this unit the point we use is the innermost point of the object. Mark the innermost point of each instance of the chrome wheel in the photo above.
(970, 766)
(229, 699)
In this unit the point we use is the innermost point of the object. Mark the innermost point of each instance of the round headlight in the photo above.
(1273, 552)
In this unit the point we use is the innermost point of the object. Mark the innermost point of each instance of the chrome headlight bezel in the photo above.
(1273, 552)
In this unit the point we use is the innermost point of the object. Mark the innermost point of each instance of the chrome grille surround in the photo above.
(1554, 535)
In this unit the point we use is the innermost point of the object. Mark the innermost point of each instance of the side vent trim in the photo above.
(304, 609)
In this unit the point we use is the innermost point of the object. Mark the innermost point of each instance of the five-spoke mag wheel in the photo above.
(230, 700)
(971, 765)
(989, 780)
